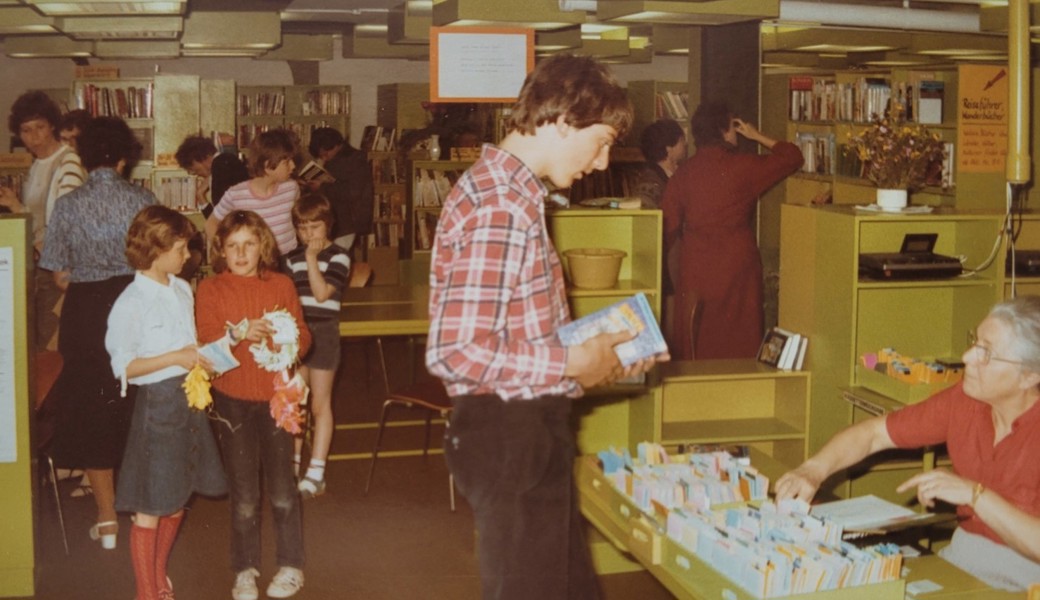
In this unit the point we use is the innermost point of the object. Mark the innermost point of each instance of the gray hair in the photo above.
(1022, 315)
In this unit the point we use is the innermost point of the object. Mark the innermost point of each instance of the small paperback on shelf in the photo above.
(783, 349)
(630, 314)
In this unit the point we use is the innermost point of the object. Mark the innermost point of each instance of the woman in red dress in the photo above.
(709, 209)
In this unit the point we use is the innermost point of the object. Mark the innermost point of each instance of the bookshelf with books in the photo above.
(652, 100)
(825, 110)
(388, 178)
(299, 108)
(429, 183)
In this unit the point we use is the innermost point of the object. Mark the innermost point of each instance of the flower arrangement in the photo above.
(897, 154)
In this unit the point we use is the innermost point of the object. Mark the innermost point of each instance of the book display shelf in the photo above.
(652, 100)
(429, 183)
(824, 110)
(388, 178)
(846, 316)
(299, 108)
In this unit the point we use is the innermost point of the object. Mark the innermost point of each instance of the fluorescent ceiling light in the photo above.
(233, 30)
(842, 48)
(136, 49)
(108, 7)
(148, 27)
(535, 14)
(22, 19)
(685, 12)
(46, 46)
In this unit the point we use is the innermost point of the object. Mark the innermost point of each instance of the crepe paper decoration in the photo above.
(196, 386)
(290, 393)
(286, 339)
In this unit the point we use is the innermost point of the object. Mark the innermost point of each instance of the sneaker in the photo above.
(310, 488)
(245, 585)
(287, 581)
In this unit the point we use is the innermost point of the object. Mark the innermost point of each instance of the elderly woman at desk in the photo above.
(990, 423)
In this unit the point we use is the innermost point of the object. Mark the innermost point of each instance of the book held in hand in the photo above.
(630, 314)
(312, 171)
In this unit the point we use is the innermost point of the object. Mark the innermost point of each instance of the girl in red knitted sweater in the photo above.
(247, 286)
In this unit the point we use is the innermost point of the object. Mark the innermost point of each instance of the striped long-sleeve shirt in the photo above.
(275, 209)
(49, 179)
(334, 264)
(496, 287)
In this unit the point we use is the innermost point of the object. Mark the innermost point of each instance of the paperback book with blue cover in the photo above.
(630, 314)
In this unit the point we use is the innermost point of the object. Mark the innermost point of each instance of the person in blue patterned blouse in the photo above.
(86, 239)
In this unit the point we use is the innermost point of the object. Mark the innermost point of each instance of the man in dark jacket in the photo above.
(351, 194)
(217, 171)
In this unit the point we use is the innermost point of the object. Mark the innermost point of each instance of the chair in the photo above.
(360, 274)
(427, 393)
(48, 367)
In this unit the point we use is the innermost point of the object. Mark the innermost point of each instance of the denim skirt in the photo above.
(170, 454)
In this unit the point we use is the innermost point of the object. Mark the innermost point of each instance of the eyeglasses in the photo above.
(983, 354)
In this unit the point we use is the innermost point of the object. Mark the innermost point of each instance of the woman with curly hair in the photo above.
(86, 238)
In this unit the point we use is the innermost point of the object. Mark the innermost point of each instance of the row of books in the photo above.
(176, 192)
(248, 131)
(325, 102)
(674, 105)
(819, 151)
(425, 228)
(261, 104)
(822, 99)
(389, 205)
(131, 102)
(13, 181)
(386, 234)
(432, 186)
(379, 139)
(388, 170)
(620, 181)
(783, 349)
(768, 549)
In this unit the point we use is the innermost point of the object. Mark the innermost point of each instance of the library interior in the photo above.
(890, 272)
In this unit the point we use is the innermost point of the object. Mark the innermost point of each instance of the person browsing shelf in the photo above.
(351, 194)
(216, 171)
(709, 210)
(990, 423)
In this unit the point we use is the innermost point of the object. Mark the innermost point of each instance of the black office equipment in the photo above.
(1027, 262)
(915, 260)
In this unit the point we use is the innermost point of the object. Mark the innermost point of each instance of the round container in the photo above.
(891, 199)
(594, 268)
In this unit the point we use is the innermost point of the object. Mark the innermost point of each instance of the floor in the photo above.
(399, 541)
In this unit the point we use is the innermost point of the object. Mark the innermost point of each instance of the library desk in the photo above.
(617, 518)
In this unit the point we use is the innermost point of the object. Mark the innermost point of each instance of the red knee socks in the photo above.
(142, 554)
(167, 533)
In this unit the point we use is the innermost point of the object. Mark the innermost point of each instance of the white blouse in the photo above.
(149, 319)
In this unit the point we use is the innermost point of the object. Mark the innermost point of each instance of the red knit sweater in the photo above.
(230, 298)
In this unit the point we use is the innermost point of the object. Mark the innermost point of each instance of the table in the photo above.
(385, 310)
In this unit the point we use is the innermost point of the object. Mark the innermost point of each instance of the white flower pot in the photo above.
(891, 199)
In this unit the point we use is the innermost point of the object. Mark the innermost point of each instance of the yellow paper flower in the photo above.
(196, 387)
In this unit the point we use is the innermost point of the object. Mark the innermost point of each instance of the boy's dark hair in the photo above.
(658, 137)
(154, 230)
(270, 148)
(105, 141)
(579, 88)
(246, 219)
(75, 119)
(710, 122)
(34, 104)
(194, 149)
(324, 138)
(313, 207)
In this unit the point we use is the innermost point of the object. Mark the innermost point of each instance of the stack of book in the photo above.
(783, 349)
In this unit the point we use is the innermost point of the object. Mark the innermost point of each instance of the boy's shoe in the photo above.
(287, 581)
(310, 488)
(245, 585)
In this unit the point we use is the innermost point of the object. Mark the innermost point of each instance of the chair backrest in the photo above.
(360, 274)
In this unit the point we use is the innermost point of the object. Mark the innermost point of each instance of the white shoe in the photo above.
(287, 581)
(245, 585)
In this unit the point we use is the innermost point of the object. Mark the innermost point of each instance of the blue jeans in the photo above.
(514, 463)
(251, 443)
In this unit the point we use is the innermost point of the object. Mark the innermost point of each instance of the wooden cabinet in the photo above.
(845, 316)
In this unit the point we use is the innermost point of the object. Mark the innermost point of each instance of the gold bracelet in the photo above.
(976, 493)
